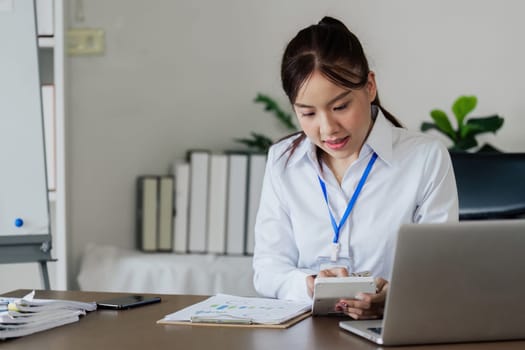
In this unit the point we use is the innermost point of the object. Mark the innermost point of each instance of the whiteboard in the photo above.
(23, 183)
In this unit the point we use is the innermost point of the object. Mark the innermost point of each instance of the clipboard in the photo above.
(283, 325)
(233, 311)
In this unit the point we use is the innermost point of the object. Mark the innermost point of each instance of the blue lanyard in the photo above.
(350, 206)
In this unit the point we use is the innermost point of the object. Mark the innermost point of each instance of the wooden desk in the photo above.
(137, 329)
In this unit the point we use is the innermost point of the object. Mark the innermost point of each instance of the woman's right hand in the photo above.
(366, 305)
(333, 272)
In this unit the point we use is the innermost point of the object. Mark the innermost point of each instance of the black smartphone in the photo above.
(126, 302)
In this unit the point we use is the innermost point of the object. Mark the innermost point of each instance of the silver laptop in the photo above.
(453, 283)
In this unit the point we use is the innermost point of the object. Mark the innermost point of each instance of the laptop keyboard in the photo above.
(377, 330)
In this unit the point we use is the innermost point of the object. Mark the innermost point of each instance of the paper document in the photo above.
(224, 308)
(23, 316)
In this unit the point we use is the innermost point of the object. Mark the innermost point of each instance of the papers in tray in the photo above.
(228, 309)
(23, 316)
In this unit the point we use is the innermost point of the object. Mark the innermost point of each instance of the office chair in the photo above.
(490, 185)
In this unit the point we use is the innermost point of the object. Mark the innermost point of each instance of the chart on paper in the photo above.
(257, 310)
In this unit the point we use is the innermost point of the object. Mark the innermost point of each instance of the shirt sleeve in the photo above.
(275, 260)
(439, 196)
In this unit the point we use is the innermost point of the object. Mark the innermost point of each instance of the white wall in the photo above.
(182, 74)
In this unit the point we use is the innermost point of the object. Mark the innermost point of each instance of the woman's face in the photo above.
(335, 118)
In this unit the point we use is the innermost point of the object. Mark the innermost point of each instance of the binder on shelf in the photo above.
(48, 111)
(147, 187)
(199, 168)
(45, 17)
(182, 191)
(256, 167)
(236, 212)
(165, 213)
(217, 203)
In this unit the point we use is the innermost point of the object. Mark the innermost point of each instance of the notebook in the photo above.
(453, 282)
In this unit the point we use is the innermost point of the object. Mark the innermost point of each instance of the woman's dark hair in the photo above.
(332, 49)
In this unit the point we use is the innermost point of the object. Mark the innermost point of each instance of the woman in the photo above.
(335, 194)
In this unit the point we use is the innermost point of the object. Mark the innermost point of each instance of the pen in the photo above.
(200, 319)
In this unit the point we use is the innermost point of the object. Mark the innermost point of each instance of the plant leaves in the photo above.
(443, 123)
(261, 142)
(475, 126)
(429, 126)
(261, 138)
(488, 148)
(464, 137)
(271, 106)
(258, 142)
(466, 143)
(463, 106)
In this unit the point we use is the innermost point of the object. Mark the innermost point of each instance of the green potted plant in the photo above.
(464, 136)
(259, 142)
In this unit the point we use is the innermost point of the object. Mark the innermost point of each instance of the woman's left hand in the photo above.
(366, 306)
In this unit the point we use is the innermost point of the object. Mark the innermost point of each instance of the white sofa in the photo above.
(112, 269)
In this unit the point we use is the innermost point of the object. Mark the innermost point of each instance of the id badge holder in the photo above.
(330, 262)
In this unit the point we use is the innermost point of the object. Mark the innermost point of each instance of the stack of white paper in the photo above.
(23, 316)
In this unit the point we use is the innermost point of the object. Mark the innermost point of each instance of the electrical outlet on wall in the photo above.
(85, 41)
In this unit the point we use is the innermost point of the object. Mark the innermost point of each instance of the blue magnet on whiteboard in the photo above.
(19, 222)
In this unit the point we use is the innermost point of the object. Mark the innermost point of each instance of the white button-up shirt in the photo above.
(412, 181)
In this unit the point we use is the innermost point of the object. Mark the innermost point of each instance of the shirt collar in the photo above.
(304, 149)
(379, 140)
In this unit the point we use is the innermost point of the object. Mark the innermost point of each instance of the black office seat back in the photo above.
(490, 185)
